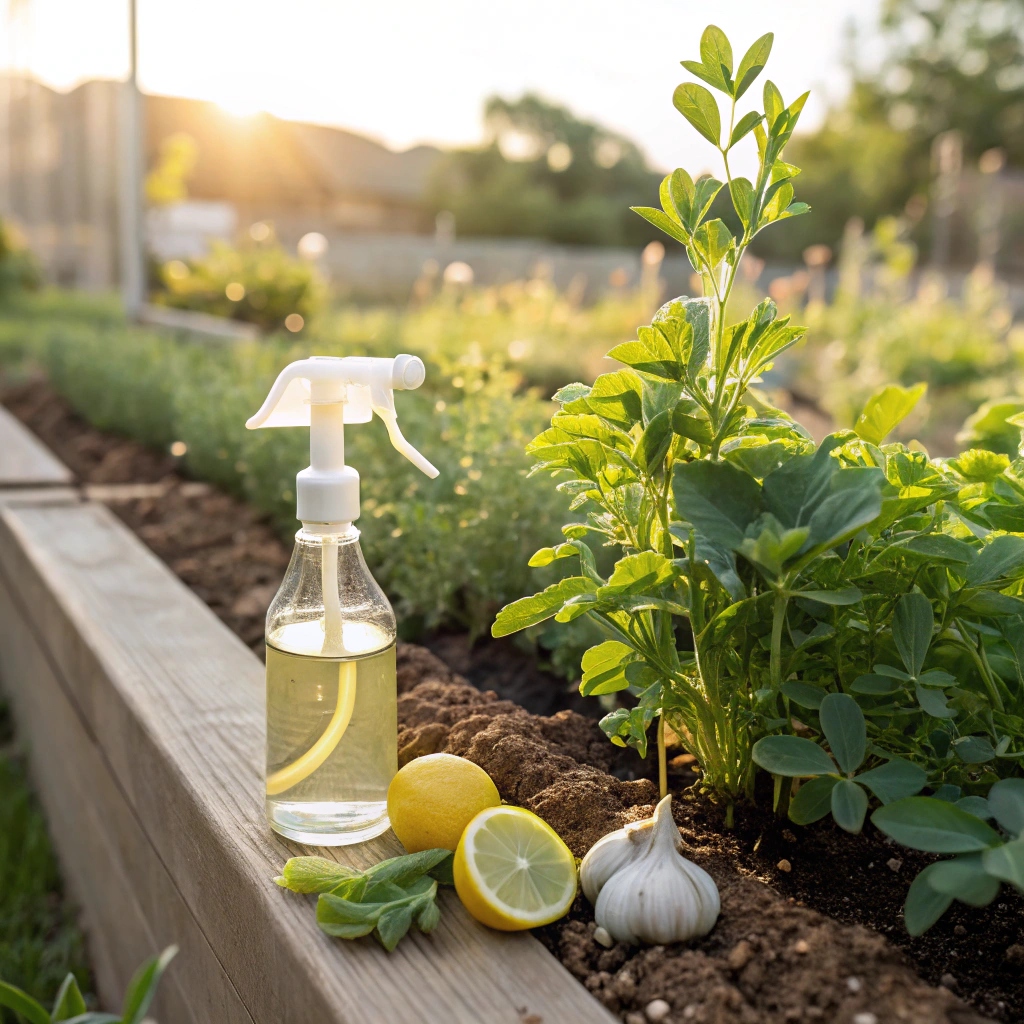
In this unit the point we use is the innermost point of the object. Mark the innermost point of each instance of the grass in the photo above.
(40, 940)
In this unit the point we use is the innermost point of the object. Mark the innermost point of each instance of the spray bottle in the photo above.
(331, 692)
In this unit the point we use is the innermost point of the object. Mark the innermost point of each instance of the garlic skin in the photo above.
(643, 889)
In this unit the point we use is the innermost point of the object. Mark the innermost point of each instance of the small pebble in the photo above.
(657, 1009)
(635, 1018)
(947, 981)
(854, 985)
(865, 1018)
(800, 946)
(788, 836)
(894, 863)
(740, 954)
(960, 930)
(1015, 954)
(784, 865)
(603, 937)
(690, 1012)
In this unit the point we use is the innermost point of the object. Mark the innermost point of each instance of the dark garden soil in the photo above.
(811, 926)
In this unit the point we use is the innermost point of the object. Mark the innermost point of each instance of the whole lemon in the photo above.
(432, 800)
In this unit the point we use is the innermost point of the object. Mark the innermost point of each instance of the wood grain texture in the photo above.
(130, 905)
(24, 460)
(173, 703)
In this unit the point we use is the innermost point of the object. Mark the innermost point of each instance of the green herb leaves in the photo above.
(986, 858)
(385, 900)
(69, 1006)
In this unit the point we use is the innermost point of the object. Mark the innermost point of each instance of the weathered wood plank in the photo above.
(138, 911)
(175, 704)
(24, 460)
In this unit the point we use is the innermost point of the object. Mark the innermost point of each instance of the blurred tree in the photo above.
(168, 181)
(544, 173)
(947, 65)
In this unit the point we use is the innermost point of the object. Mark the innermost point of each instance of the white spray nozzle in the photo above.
(324, 393)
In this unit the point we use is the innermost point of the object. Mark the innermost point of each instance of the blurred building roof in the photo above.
(261, 162)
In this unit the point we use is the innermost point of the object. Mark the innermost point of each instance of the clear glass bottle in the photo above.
(332, 718)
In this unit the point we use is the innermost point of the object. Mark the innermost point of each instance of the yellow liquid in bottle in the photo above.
(332, 729)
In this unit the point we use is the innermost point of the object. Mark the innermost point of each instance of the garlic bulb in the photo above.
(643, 889)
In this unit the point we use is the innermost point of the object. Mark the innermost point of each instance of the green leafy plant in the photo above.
(69, 1005)
(260, 284)
(385, 900)
(767, 588)
(841, 790)
(987, 856)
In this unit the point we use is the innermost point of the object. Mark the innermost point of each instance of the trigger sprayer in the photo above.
(331, 691)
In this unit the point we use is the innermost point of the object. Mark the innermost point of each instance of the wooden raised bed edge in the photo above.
(143, 716)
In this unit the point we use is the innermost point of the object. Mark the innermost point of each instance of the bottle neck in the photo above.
(338, 532)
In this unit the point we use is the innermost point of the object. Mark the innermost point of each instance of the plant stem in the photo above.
(662, 759)
(778, 620)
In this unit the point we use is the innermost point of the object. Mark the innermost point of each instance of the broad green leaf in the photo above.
(713, 240)
(773, 105)
(677, 195)
(876, 685)
(705, 190)
(885, 410)
(408, 868)
(794, 210)
(976, 805)
(545, 556)
(618, 397)
(1006, 863)
(894, 780)
(742, 193)
(1003, 556)
(804, 694)
(924, 905)
(694, 427)
(313, 874)
(768, 545)
(635, 574)
(722, 563)
(838, 598)
(663, 222)
(792, 756)
(23, 1004)
(796, 489)
(912, 625)
(654, 443)
(854, 502)
(813, 800)
(142, 987)
(392, 925)
(933, 702)
(720, 500)
(942, 548)
(965, 878)
(604, 668)
(849, 805)
(744, 126)
(715, 52)
(68, 1002)
(698, 106)
(528, 611)
(974, 749)
(1006, 802)
(571, 393)
(843, 724)
(935, 826)
(753, 63)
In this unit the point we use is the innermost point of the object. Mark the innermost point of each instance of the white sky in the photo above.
(410, 71)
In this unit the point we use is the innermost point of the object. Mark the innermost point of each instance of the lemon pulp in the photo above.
(512, 871)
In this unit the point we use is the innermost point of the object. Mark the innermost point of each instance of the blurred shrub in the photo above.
(260, 284)
(18, 268)
(887, 323)
(451, 550)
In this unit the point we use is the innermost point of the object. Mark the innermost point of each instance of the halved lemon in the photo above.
(512, 871)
